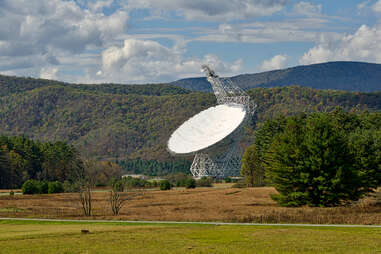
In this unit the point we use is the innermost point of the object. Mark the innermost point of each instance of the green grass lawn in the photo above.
(66, 237)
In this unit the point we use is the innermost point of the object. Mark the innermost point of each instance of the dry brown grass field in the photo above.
(220, 203)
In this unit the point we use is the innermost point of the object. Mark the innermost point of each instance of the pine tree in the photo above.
(310, 163)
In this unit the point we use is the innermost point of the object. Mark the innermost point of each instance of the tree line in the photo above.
(23, 159)
(320, 159)
(155, 167)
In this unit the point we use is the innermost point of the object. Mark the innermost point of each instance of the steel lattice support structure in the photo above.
(225, 161)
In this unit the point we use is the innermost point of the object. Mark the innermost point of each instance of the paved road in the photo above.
(199, 223)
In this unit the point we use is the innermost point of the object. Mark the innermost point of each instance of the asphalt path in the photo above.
(197, 223)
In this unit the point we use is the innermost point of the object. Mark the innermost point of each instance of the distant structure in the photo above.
(227, 92)
(213, 134)
(137, 176)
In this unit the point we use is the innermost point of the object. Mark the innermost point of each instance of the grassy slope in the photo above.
(47, 237)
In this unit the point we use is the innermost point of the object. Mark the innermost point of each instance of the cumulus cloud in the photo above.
(47, 29)
(363, 45)
(377, 6)
(307, 9)
(140, 61)
(275, 63)
(213, 9)
(99, 5)
(75, 41)
(49, 72)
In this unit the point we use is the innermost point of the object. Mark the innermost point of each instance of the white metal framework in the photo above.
(226, 159)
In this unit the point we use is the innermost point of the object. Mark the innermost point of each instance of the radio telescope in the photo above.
(213, 134)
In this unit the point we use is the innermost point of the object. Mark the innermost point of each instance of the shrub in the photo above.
(228, 180)
(240, 184)
(55, 187)
(180, 183)
(70, 187)
(30, 187)
(217, 180)
(190, 183)
(165, 185)
(130, 182)
(204, 182)
(43, 187)
(155, 184)
(178, 179)
(118, 185)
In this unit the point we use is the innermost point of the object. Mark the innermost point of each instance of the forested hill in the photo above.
(349, 76)
(9, 85)
(114, 121)
(103, 121)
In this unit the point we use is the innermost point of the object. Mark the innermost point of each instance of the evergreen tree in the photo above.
(252, 168)
(310, 163)
(365, 146)
(4, 169)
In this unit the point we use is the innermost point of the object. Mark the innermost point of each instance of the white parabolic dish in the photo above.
(206, 128)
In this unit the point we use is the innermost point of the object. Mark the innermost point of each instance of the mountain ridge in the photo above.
(339, 75)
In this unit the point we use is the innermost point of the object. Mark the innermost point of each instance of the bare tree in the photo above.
(118, 195)
(85, 198)
(88, 174)
(86, 181)
(116, 201)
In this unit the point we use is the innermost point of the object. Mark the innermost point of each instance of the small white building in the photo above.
(136, 176)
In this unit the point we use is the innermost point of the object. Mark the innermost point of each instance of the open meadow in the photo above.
(221, 203)
(66, 237)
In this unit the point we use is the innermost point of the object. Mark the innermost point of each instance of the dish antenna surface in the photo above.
(213, 134)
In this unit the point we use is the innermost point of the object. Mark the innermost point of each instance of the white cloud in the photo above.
(275, 63)
(47, 29)
(363, 45)
(307, 9)
(75, 41)
(377, 7)
(8, 73)
(213, 9)
(49, 72)
(299, 30)
(99, 5)
(141, 61)
(363, 5)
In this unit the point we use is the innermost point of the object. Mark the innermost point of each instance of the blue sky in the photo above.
(145, 41)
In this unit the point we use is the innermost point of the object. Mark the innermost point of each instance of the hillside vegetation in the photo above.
(105, 121)
(112, 121)
(349, 76)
